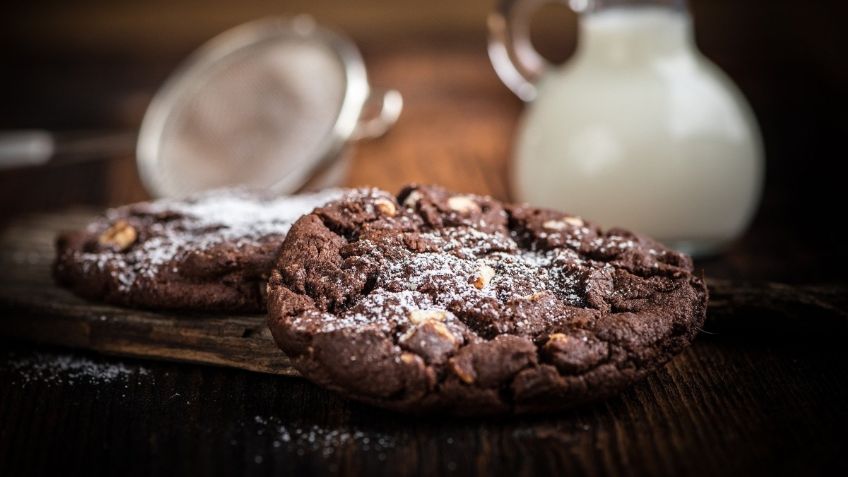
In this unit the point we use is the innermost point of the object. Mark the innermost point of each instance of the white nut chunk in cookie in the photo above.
(536, 296)
(412, 199)
(429, 327)
(463, 371)
(484, 276)
(386, 207)
(463, 204)
(562, 223)
(556, 337)
(120, 236)
(420, 316)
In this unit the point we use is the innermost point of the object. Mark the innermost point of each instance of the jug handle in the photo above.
(515, 60)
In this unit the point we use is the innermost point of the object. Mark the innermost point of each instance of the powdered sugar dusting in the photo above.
(479, 271)
(394, 308)
(67, 369)
(235, 215)
(463, 256)
(614, 243)
(179, 227)
(461, 268)
(311, 438)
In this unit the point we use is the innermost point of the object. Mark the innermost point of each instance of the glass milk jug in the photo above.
(637, 129)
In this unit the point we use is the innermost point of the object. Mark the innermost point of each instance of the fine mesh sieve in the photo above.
(268, 104)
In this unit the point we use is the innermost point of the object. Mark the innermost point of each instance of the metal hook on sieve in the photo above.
(390, 106)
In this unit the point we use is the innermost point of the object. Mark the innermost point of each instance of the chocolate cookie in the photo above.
(212, 252)
(463, 304)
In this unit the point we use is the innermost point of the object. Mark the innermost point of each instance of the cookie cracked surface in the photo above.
(211, 252)
(435, 301)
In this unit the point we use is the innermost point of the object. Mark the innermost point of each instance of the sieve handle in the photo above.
(391, 104)
(37, 147)
(25, 148)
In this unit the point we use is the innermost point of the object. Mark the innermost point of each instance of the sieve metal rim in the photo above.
(230, 42)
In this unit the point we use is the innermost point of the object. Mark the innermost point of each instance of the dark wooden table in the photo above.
(771, 401)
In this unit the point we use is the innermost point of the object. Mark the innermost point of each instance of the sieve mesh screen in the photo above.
(254, 116)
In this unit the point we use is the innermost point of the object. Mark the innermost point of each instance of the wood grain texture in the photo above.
(724, 407)
(737, 306)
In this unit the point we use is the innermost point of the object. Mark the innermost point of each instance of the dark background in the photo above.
(93, 65)
(729, 405)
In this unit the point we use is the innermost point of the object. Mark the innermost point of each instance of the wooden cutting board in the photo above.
(33, 308)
